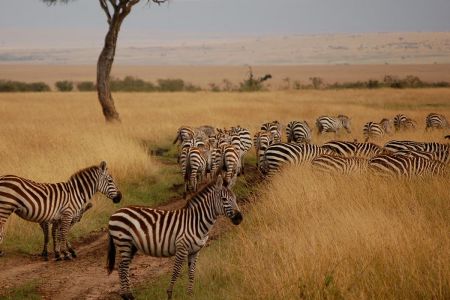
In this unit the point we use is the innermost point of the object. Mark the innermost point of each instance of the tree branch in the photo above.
(105, 7)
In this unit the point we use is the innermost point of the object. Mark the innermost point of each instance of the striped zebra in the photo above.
(395, 146)
(242, 140)
(230, 165)
(372, 130)
(402, 122)
(194, 167)
(54, 202)
(185, 133)
(441, 156)
(405, 166)
(56, 228)
(344, 165)
(162, 233)
(353, 149)
(333, 124)
(262, 140)
(438, 121)
(279, 155)
(275, 128)
(298, 132)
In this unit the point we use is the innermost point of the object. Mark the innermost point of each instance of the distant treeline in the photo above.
(133, 84)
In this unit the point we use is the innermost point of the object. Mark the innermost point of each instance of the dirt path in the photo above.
(85, 277)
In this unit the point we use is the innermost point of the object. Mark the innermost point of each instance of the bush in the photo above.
(131, 84)
(17, 86)
(171, 85)
(64, 86)
(86, 86)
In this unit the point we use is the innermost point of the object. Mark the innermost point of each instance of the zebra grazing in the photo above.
(405, 166)
(353, 149)
(437, 121)
(262, 140)
(241, 139)
(162, 233)
(394, 146)
(402, 122)
(56, 228)
(298, 132)
(54, 202)
(278, 155)
(275, 128)
(344, 165)
(372, 130)
(441, 156)
(333, 124)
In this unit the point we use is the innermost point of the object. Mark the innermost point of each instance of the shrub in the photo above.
(251, 84)
(171, 85)
(64, 86)
(17, 86)
(316, 82)
(131, 84)
(86, 86)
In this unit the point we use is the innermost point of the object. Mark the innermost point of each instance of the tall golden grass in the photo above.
(304, 237)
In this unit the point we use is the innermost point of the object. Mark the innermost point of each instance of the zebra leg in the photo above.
(2, 228)
(63, 232)
(126, 254)
(56, 236)
(192, 259)
(45, 229)
(180, 257)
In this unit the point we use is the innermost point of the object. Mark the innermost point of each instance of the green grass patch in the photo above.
(27, 291)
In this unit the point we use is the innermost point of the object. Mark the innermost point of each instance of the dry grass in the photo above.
(304, 237)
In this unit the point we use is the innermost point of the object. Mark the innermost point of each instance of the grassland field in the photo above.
(306, 236)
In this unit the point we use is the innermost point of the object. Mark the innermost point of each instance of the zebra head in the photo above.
(106, 184)
(228, 205)
(345, 122)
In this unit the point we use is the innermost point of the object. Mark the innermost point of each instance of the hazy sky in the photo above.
(30, 20)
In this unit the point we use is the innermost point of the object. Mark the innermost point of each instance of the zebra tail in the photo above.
(188, 171)
(176, 138)
(111, 259)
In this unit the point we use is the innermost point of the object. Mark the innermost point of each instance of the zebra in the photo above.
(181, 233)
(185, 133)
(402, 122)
(298, 132)
(333, 124)
(344, 165)
(195, 167)
(60, 202)
(278, 155)
(275, 128)
(405, 166)
(262, 140)
(394, 146)
(56, 227)
(230, 164)
(353, 149)
(373, 130)
(437, 121)
(441, 156)
(242, 141)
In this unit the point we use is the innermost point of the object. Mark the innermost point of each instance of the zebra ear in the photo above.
(103, 166)
(219, 182)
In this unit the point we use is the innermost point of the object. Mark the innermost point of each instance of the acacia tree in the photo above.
(116, 11)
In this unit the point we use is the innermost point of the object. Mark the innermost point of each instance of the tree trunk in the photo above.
(104, 64)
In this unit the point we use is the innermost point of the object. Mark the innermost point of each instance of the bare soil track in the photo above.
(85, 277)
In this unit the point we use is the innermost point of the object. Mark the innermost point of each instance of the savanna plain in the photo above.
(304, 236)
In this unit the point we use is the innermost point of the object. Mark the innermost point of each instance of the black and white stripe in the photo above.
(241, 139)
(441, 156)
(57, 202)
(194, 167)
(353, 149)
(298, 132)
(405, 166)
(275, 128)
(436, 121)
(262, 140)
(180, 233)
(402, 122)
(373, 130)
(344, 165)
(333, 124)
(394, 146)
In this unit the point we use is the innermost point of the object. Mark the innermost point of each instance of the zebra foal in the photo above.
(333, 124)
(181, 233)
(54, 202)
(438, 121)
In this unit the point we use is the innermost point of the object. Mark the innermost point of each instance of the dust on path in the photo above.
(85, 277)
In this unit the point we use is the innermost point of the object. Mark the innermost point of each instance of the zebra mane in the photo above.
(85, 170)
(205, 189)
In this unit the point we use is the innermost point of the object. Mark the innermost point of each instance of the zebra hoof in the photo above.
(127, 296)
(68, 256)
(73, 253)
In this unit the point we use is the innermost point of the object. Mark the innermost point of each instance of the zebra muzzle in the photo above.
(237, 218)
(117, 198)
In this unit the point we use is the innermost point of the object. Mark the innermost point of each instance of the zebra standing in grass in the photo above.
(352, 149)
(405, 166)
(262, 140)
(402, 122)
(230, 164)
(373, 130)
(279, 155)
(180, 233)
(333, 124)
(275, 128)
(298, 132)
(437, 121)
(242, 141)
(55, 202)
(194, 168)
(395, 146)
(441, 156)
(344, 165)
